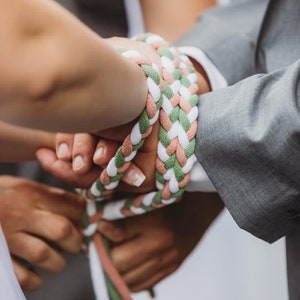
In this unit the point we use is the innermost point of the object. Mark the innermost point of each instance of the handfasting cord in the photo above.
(172, 101)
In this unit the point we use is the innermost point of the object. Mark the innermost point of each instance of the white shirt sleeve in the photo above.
(199, 180)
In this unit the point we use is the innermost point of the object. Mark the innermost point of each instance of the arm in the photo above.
(247, 139)
(170, 18)
(56, 74)
(229, 37)
(164, 25)
(19, 144)
(248, 143)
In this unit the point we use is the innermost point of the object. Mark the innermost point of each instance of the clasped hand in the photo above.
(147, 248)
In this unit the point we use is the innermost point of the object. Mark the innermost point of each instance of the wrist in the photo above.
(203, 80)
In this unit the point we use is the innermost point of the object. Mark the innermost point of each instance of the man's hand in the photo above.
(150, 247)
(32, 215)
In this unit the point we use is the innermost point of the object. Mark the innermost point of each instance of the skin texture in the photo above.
(20, 144)
(171, 18)
(44, 94)
(32, 215)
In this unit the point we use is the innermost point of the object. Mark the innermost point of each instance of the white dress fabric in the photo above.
(9, 286)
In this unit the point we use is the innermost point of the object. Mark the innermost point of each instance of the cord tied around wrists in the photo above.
(172, 102)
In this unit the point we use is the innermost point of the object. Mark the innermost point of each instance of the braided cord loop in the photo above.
(172, 101)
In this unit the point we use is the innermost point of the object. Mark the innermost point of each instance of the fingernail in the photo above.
(63, 150)
(99, 153)
(135, 177)
(78, 163)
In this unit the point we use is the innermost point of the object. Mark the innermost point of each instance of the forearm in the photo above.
(248, 134)
(171, 19)
(19, 144)
(58, 75)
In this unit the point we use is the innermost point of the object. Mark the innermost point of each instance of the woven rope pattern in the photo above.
(172, 101)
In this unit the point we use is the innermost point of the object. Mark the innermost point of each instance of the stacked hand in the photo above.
(145, 249)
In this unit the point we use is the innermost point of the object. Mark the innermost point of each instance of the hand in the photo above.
(32, 215)
(80, 158)
(147, 248)
(60, 165)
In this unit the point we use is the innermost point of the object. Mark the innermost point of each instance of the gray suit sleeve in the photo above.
(230, 31)
(248, 142)
(248, 138)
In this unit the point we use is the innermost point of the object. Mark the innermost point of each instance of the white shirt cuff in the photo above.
(199, 180)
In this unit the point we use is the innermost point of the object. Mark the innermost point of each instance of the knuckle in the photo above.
(62, 230)
(40, 254)
(169, 240)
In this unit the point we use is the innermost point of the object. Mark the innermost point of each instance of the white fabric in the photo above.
(134, 17)
(97, 274)
(199, 180)
(216, 79)
(9, 286)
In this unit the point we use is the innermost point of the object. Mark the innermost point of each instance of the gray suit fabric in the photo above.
(107, 18)
(248, 137)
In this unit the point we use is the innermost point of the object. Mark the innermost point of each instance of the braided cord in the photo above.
(172, 101)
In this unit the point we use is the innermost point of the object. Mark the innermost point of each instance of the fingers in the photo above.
(143, 262)
(105, 150)
(79, 153)
(142, 243)
(55, 228)
(59, 202)
(141, 172)
(63, 170)
(64, 145)
(114, 231)
(28, 279)
(134, 176)
(149, 274)
(83, 151)
(36, 252)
